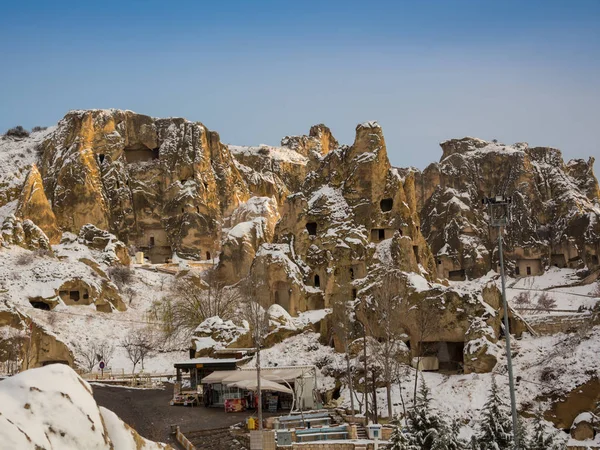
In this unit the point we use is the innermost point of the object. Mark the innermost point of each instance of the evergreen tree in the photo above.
(541, 438)
(428, 430)
(399, 440)
(521, 440)
(495, 428)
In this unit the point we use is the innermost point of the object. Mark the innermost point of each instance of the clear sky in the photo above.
(256, 71)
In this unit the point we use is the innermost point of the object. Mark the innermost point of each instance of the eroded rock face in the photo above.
(24, 234)
(252, 224)
(555, 208)
(350, 205)
(38, 346)
(113, 250)
(160, 184)
(33, 205)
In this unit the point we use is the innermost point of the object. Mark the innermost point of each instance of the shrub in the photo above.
(38, 128)
(25, 258)
(121, 275)
(18, 132)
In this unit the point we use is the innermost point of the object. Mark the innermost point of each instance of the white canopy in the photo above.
(265, 385)
(287, 374)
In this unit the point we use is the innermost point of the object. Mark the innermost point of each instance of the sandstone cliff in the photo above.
(555, 208)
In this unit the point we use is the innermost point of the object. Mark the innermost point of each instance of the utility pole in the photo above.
(499, 211)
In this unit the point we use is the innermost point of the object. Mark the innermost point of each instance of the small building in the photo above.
(199, 368)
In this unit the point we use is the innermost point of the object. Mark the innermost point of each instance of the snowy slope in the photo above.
(52, 408)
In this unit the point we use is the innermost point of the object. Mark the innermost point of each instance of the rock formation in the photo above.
(33, 205)
(555, 208)
(162, 185)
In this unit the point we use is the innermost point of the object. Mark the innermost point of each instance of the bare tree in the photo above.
(138, 344)
(192, 300)
(258, 320)
(341, 319)
(386, 298)
(523, 300)
(90, 356)
(129, 293)
(426, 321)
(545, 302)
(106, 351)
(12, 349)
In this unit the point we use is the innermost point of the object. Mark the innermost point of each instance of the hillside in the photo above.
(106, 216)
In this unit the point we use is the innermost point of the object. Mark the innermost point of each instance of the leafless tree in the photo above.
(426, 318)
(129, 293)
(89, 356)
(138, 344)
(386, 299)
(106, 351)
(523, 300)
(192, 300)
(13, 352)
(341, 319)
(258, 320)
(545, 302)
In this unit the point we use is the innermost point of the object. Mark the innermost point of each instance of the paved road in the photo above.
(149, 412)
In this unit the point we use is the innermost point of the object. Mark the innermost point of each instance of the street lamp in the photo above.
(499, 212)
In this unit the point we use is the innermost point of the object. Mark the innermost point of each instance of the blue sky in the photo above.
(257, 71)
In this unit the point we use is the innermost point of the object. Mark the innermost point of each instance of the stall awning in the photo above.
(265, 385)
(287, 374)
(219, 376)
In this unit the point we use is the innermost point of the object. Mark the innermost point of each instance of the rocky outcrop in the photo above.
(160, 184)
(113, 250)
(252, 224)
(36, 346)
(330, 230)
(555, 208)
(33, 205)
(24, 234)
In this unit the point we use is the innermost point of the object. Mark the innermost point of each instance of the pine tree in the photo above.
(521, 440)
(541, 438)
(428, 430)
(399, 440)
(495, 428)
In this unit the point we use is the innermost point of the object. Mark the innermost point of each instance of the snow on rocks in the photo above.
(53, 408)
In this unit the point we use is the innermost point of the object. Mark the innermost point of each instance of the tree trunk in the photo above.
(366, 390)
(259, 406)
(402, 398)
(416, 380)
(388, 388)
(349, 381)
(375, 412)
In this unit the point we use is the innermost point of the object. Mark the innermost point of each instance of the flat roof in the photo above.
(208, 360)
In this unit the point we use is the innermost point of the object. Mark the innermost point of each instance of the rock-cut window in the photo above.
(386, 204)
(311, 227)
(317, 281)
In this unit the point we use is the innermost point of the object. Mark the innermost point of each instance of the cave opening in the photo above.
(386, 204)
(311, 227)
(140, 153)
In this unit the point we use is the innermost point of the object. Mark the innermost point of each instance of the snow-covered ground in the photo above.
(51, 407)
(79, 326)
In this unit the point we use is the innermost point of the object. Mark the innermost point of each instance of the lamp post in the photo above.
(499, 212)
